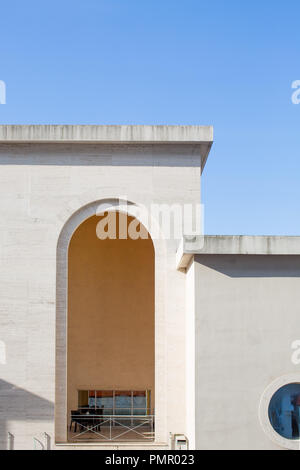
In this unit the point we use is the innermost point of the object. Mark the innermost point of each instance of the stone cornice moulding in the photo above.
(200, 137)
(234, 245)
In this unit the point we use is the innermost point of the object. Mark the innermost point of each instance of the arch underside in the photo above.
(67, 364)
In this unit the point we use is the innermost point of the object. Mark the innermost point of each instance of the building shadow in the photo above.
(100, 155)
(243, 266)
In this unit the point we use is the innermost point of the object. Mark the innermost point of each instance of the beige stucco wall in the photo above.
(110, 313)
(42, 186)
(247, 316)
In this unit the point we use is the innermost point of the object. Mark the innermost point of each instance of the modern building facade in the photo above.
(120, 326)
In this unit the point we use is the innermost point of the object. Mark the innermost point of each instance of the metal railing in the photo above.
(112, 428)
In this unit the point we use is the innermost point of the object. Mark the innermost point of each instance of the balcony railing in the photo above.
(95, 427)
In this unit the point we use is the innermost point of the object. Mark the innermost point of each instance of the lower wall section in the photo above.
(26, 418)
(116, 446)
(16, 435)
(247, 316)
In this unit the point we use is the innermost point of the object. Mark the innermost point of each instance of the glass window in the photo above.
(139, 403)
(123, 403)
(105, 400)
(116, 402)
(284, 411)
(92, 399)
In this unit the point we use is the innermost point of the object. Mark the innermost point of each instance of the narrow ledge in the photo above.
(234, 245)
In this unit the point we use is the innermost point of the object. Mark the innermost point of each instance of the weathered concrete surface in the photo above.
(121, 134)
(247, 311)
(45, 187)
(240, 245)
(200, 137)
(241, 299)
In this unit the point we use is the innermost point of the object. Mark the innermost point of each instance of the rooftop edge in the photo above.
(106, 133)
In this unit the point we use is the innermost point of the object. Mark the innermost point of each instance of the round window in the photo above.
(279, 411)
(284, 411)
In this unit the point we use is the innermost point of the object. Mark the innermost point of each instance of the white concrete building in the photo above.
(145, 342)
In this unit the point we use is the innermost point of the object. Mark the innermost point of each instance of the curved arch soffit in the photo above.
(68, 228)
(112, 205)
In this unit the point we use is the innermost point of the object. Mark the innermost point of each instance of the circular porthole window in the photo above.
(284, 411)
(280, 411)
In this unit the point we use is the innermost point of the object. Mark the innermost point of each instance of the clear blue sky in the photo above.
(226, 63)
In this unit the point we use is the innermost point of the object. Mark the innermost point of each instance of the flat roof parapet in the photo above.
(200, 137)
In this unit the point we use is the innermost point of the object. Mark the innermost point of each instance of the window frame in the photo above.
(114, 408)
(292, 444)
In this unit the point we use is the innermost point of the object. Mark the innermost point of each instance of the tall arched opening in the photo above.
(110, 335)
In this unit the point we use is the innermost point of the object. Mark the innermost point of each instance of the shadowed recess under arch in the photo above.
(110, 313)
